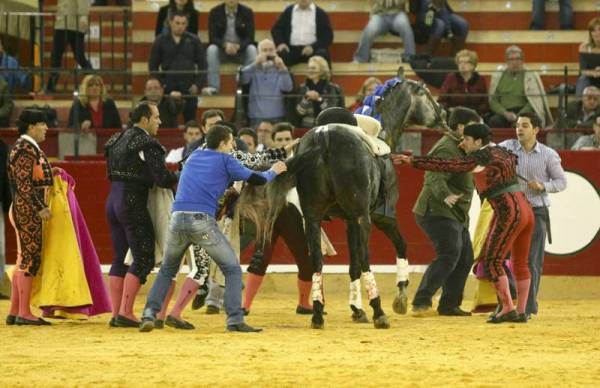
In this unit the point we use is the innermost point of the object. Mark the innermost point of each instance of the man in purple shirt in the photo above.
(204, 178)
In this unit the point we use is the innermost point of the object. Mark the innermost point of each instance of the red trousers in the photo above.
(510, 232)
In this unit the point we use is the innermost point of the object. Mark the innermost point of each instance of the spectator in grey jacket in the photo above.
(72, 21)
(269, 78)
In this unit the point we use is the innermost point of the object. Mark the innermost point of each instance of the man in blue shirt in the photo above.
(204, 178)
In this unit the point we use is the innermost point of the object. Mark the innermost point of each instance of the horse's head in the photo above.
(408, 102)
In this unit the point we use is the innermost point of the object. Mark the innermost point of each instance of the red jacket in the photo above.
(473, 94)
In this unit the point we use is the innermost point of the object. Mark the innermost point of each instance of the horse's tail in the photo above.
(277, 190)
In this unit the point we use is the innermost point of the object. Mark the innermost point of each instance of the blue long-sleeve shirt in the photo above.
(205, 177)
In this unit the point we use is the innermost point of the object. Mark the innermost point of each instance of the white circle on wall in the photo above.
(574, 216)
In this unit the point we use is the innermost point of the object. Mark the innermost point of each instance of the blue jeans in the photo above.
(201, 229)
(382, 24)
(455, 24)
(216, 55)
(450, 269)
(536, 259)
(538, 12)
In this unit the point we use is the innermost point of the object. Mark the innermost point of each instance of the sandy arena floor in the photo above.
(561, 346)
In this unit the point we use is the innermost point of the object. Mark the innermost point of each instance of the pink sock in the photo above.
(186, 294)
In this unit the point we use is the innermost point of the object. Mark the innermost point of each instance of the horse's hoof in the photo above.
(317, 322)
(382, 322)
(360, 317)
(400, 305)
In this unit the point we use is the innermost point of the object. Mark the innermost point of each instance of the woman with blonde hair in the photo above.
(466, 87)
(317, 93)
(368, 88)
(589, 58)
(93, 108)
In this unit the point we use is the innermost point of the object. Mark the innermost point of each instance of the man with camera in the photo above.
(268, 78)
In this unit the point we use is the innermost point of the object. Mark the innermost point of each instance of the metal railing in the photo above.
(96, 41)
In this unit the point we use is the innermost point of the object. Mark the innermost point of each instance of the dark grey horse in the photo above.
(337, 175)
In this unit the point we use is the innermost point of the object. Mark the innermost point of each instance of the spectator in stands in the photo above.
(283, 134)
(168, 106)
(178, 61)
(589, 58)
(192, 133)
(435, 21)
(182, 6)
(317, 93)
(93, 108)
(589, 142)
(231, 37)
(466, 87)
(538, 13)
(13, 77)
(72, 21)
(515, 90)
(583, 113)
(264, 129)
(6, 104)
(269, 78)
(248, 136)
(386, 16)
(368, 88)
(302, 30)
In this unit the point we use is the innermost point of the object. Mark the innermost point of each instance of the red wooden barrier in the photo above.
(92, 190)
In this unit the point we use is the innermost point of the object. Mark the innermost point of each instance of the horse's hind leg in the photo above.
(313, 238)
(358, 238)
(355, 298)
(389, 227)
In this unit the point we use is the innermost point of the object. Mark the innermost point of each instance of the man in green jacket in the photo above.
(442, 212)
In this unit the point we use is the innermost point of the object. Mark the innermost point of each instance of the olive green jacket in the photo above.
(439, 185)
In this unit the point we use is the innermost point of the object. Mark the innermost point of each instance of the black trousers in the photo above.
(295, 56)
(61, 38)
(450, 268)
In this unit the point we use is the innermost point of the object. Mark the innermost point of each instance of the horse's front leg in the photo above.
(358, 233)
(313, 238)
(389, 227)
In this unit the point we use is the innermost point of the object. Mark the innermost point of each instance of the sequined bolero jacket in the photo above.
(134, 156)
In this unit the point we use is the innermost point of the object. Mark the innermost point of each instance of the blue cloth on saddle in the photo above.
(368, 106)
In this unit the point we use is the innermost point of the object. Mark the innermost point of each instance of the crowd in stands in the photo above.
(182, 67)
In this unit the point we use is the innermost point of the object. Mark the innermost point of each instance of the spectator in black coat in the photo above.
(231, 38)
(93, 108)
(168, 106)
(186, 6)
(178, 61)
(296, 45)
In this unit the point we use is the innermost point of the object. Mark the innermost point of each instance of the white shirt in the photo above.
(175, 156)
(304, 25)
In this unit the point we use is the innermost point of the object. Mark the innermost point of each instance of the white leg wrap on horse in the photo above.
(401, 270)
(317, 288)
(355, 294)
(370, 285)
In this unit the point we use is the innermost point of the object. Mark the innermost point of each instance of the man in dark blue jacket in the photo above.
(231, 39)
(302, 31)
